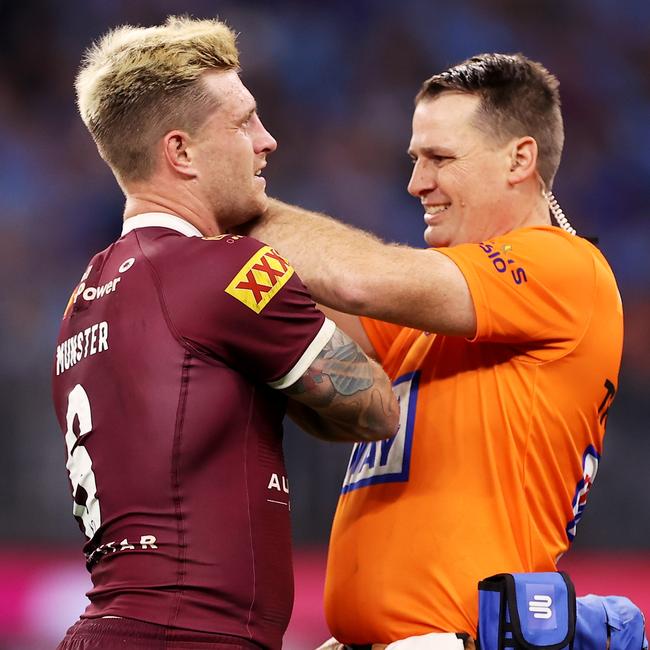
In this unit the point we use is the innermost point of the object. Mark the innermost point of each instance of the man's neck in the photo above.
(141, 201)
(533, 210)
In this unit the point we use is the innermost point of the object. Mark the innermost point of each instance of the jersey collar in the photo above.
(160, 220)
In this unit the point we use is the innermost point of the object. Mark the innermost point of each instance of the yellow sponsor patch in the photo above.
(260, 279)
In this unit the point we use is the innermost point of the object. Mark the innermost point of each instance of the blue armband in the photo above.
(539, 611)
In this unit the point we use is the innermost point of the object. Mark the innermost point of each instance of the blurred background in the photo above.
(335, 83)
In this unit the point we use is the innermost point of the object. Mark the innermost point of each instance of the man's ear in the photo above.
(523, 160)
(178, 154)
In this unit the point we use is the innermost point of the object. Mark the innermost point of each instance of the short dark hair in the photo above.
(519, 97)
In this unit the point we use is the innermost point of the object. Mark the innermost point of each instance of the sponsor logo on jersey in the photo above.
(278, 482)
(147, 542)
(590, 461)
(94, 293)
(260, 279)
(386, 461)
(279, 487)
(502, 260)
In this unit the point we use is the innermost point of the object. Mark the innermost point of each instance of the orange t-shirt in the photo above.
(499, 442)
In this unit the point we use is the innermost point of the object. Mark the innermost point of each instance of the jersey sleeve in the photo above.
(243, 304)
(381, 335)
(535, 285)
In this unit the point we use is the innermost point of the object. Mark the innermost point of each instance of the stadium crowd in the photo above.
(334, 82)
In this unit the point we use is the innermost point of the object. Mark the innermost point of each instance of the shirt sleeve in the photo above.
(381, 334)
(531, 286)
(244, 305)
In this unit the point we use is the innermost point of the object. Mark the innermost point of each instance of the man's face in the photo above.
(459, 173)
(231, 151)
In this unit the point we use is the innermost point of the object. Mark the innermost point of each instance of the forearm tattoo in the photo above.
(341, 366)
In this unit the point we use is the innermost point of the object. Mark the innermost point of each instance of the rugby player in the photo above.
(178, 353)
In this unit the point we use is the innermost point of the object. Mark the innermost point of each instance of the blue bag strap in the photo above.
(491, 615)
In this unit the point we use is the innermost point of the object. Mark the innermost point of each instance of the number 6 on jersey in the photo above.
(84, 490)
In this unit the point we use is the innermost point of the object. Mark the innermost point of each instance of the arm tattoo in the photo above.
(344, 364)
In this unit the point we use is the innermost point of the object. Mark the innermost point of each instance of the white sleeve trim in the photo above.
(313, 350)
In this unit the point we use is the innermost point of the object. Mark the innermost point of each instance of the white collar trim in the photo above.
(160, 220)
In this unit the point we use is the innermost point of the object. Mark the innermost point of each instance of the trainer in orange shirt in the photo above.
(505, 359)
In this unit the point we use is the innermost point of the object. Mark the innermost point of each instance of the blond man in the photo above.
(177, 353)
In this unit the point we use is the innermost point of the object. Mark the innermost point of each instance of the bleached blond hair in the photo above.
(137, 83)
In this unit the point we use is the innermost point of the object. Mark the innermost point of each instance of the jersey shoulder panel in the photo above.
(237, 300)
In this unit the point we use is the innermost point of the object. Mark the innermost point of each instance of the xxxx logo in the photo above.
(260, 279)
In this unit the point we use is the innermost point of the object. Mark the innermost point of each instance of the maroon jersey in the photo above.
(167, 362)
